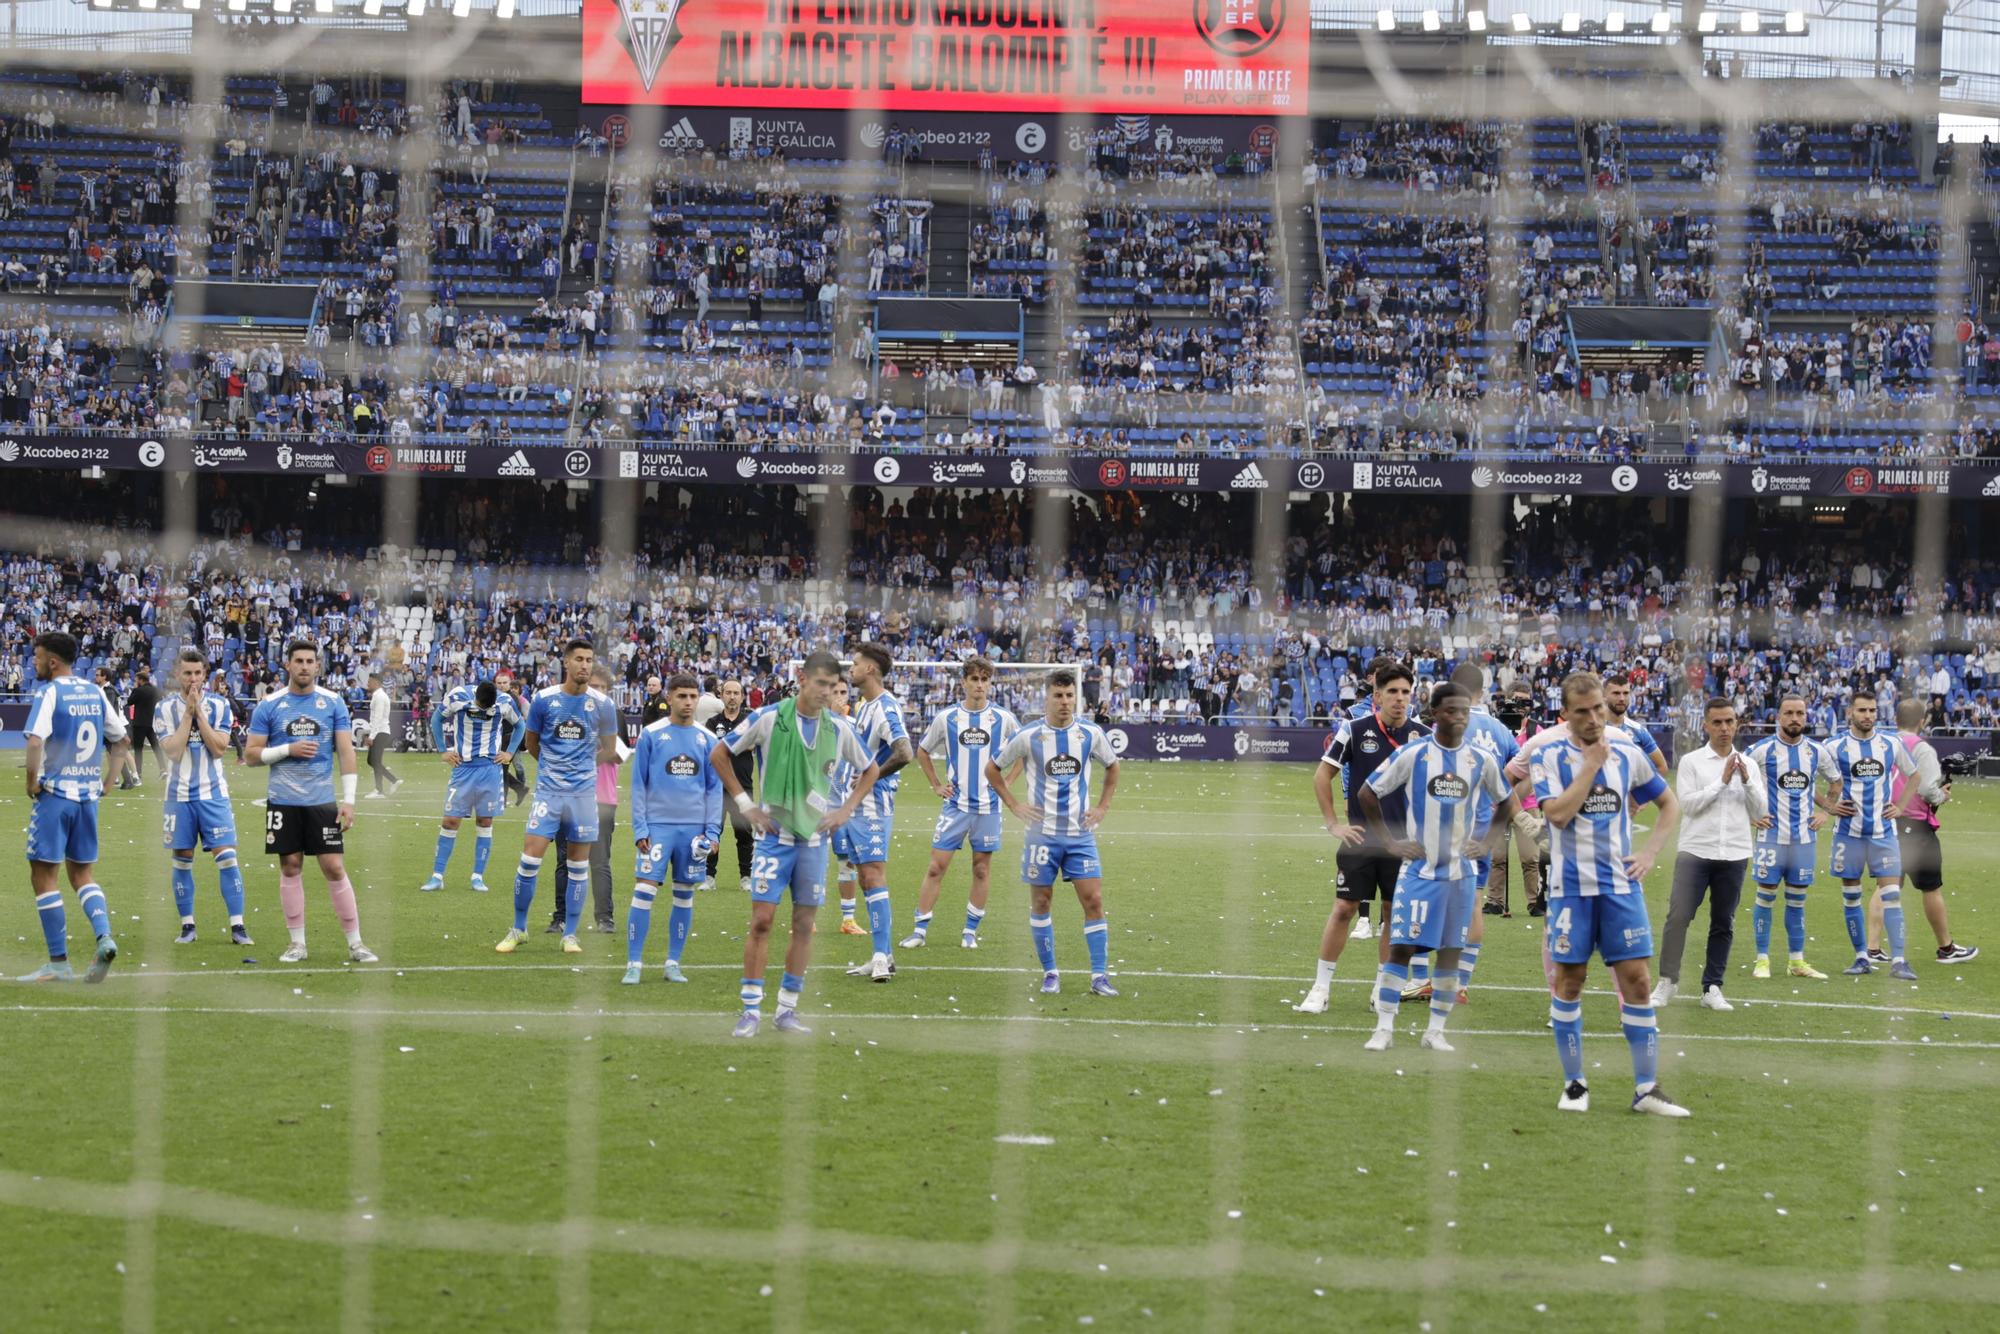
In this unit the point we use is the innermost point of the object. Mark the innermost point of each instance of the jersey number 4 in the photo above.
(1560, 922)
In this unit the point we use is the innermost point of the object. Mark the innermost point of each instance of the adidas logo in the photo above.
(681, 134)
(1250, 479)
(1992, 488)
(517, 465)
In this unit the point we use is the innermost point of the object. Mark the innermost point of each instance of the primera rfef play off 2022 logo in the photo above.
(1239, 28)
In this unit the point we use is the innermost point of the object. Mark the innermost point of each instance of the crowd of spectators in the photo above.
(1163, 603)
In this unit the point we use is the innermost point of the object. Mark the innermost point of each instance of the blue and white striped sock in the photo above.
(55, 924)
(1468, 959)
(1892, 920)
(482, 852)
(1097, 939)
(184, 887)
(229, 877)
(1043, 931)
(1760, 917)
(973, 917)
(1389, 984)
(680, 919)
(1420, 968)
(1567, 1018)
(91, 899)
(1795, 922)
(524, 889)
(447, 840)
(579, 894)
(1857, 922)
(639, 921)
(1444, 995)
(880, 924)
(752, 994)
(923, 924)
(1642, 1034)
(789, 987)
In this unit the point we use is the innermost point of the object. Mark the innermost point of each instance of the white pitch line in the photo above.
(917, 969)
(393, 1012)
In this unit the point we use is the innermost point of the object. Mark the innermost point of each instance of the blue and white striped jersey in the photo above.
(197, 775)
(879, 724)
(1588, 857)
(754, 734)
(319, 716)
(1058, 774)
(673, 782)
(965, 739)
(1865, 770)
(1792, 770)
(1494, 737)
(478, 735)
(74, 720)
(1445, 788)
(1642, 736)
(568, 727)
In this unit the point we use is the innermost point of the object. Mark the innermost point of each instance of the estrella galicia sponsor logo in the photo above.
(1794, 780)
(1868, 768)
(1064, 766)
(683, 766)
(974, 736)
(1448, 787)
(569, 729)
(1602, 802)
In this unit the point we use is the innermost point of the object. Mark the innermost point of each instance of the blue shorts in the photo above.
(799, 867)
(1614, 925)
(474, 790)
(671, 851)
(1072, 856)
(864, 839)
(954, 825)
(1855, 857)
(61, 830)
(1791, 863)
(209, 821)
(572, 815)
(1432, 914)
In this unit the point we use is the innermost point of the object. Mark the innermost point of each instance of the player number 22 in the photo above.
(763, 868)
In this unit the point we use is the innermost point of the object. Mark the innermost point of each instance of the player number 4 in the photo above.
(1562, 920)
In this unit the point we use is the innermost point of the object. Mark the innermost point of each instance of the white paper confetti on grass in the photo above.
(1031, 1140)
(406, 1049)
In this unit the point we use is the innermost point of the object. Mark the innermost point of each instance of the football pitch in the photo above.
(455, 1139)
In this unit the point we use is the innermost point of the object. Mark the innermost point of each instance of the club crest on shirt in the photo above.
(319, 702)
(1602, 801)
(1065, 766)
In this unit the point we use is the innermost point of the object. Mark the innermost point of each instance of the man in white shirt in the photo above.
(386, 781)
(1722, 797)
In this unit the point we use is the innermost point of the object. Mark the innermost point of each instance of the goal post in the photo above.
(925, 686)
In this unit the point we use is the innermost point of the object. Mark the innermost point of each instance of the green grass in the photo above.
(456, 1140)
